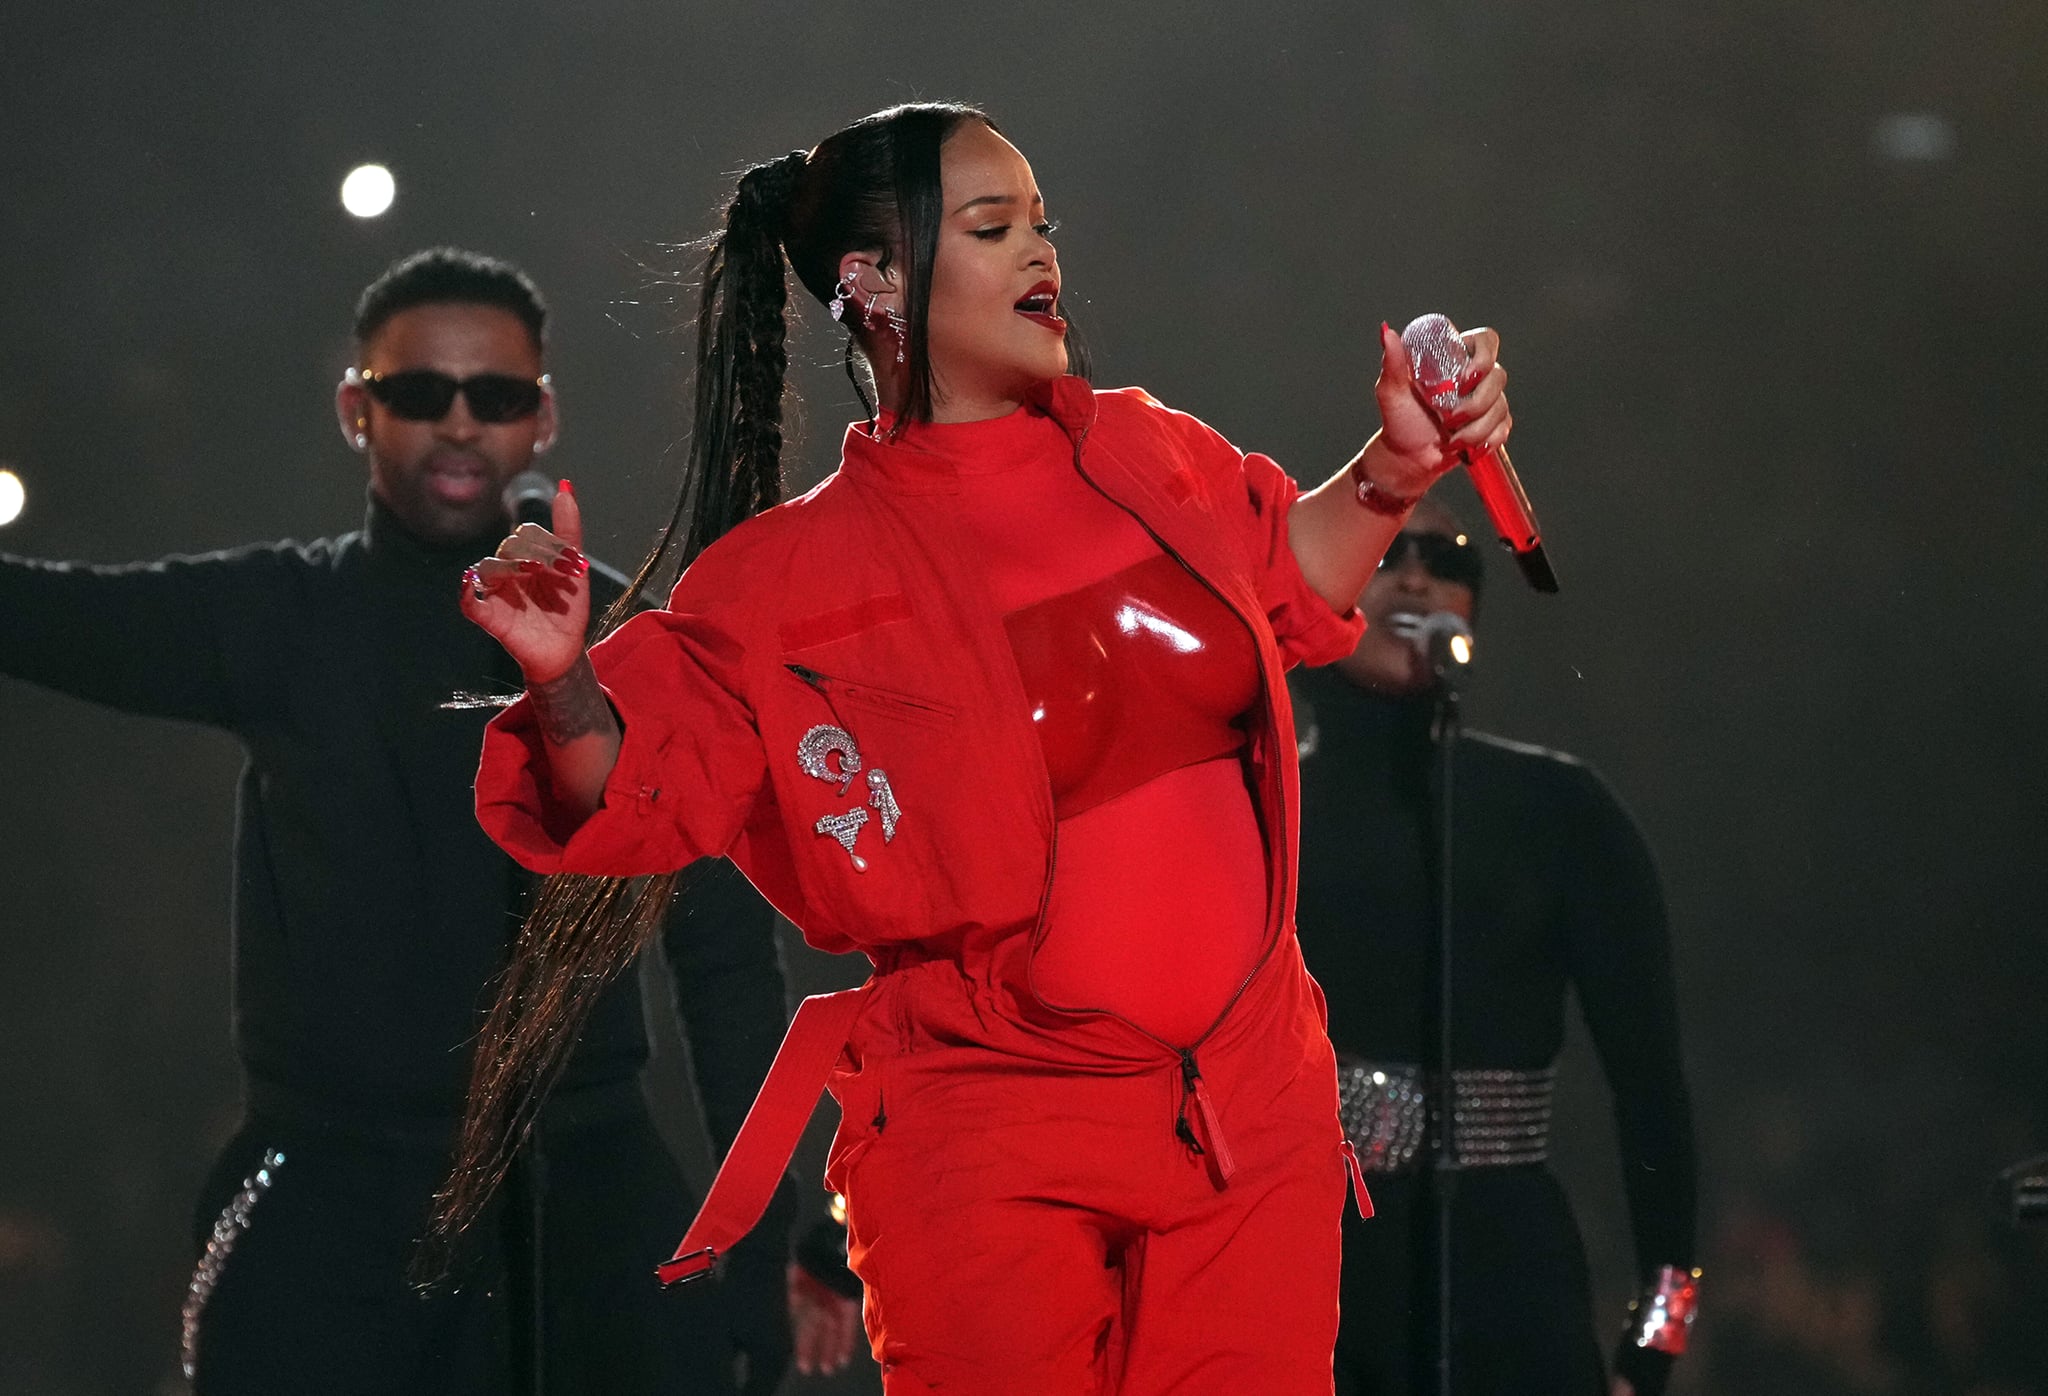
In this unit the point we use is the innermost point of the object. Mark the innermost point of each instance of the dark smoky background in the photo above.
(1769, 275)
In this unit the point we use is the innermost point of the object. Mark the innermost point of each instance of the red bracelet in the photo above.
(1378, 498)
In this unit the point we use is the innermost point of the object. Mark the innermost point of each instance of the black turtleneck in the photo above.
(1554, 889)
(370, 911)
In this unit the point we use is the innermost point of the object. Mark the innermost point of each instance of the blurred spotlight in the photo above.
(1914, 137)
(12, 497)
(1461, 648)
(368, 190)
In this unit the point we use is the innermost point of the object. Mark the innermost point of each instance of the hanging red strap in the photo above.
(1358, 1190)
(761, 1151)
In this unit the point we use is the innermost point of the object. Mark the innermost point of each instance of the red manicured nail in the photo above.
(568, 488)
(567, 566)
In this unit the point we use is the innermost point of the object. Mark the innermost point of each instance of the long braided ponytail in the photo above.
(872, 186)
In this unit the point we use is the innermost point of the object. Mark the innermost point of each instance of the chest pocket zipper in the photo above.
(886, 701)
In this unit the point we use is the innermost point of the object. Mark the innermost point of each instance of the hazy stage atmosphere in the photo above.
(1770, 278)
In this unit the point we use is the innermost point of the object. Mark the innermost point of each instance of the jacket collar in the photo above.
(905, 468)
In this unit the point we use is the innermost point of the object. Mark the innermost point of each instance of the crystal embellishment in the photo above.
(227, 1229)
(1500, 1117)
(883, 800)
(846, 828)
(815, 748)
(814, 753)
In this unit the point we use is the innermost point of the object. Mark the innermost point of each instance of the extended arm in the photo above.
(154, 638)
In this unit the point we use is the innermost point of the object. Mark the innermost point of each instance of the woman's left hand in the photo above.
(1421, 446)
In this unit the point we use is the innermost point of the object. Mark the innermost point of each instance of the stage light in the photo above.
(1461, 649)
(12, 496)
(368, 190)
(1914, 137)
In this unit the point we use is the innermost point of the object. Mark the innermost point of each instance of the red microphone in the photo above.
(1439, 357)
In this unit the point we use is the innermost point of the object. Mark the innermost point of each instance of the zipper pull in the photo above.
(1188, 1076)
(1221, 1162)
(810, 676)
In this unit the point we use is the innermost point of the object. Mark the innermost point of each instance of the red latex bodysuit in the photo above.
(1139, 683)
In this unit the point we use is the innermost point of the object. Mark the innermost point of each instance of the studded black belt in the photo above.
(1499, 1116)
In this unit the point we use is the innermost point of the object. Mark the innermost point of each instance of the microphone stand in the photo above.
(1443, 1144)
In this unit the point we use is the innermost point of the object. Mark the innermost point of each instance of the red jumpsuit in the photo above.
(1040, 1199)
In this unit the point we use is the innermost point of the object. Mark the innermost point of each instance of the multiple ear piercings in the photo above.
(361, 440)
(874, 311)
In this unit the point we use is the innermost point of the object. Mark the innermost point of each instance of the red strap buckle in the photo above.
(692, 1265)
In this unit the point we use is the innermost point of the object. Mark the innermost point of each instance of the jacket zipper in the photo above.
(1192, 1090)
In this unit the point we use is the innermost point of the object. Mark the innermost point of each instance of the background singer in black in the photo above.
(1554, 890)
(370, 914)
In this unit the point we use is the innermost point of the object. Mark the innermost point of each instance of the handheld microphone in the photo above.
(530, 498)
(1442, 638)
(1439, 356)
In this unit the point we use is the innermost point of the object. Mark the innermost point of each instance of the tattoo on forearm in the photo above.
(571, 706)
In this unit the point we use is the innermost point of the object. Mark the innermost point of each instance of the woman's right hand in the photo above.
(533, 594)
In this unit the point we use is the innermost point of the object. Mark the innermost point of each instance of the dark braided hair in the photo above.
(871, 187)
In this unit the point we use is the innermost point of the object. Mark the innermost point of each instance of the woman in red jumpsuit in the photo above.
(1000, 705)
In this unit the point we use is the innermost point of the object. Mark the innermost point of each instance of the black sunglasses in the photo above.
(422, 395)
(1446, 558)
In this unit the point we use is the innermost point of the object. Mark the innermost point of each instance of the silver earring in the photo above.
(893, 320)
(841, 294)
(362, 441)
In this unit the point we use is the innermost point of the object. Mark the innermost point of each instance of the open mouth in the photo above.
(457, 479)
(1041, 306)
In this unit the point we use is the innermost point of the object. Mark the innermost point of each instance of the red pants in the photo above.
(1031, 1227)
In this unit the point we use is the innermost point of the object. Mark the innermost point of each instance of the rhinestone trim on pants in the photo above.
(227, 1229)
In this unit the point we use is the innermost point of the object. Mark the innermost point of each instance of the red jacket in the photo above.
(858, 607)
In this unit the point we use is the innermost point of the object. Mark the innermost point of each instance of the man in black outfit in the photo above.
(371, 913)
(1553, 889)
